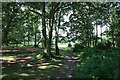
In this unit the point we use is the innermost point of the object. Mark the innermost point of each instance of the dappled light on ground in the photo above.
(19, 49)
(24, 66)
(24, 74)
(49, 66)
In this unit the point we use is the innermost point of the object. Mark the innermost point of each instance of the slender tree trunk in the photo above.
(101, 32)
(93, 38)
(90, 41)
(57, 35)
(56, 41)
(28, 37)
(96, 34)
(44, 26)
(113, 40)
(24, 41)
(35, 43)
(117, 74)
(50, 37)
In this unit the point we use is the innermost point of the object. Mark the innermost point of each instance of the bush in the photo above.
(78, 47)
(97, 65)
(104, 45)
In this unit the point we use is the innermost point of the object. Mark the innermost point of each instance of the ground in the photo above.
(15, 59)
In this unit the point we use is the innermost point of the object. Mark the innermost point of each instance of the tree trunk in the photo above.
(57, 36)
(90, 41)
(101, 32)
(93, 38)
(51, 22)
(28, 38)
(50, 37)
(96, 35)
(46, 55)
(35, 43)
(56, 41)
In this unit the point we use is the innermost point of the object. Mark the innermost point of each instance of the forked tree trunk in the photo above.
(46, 54)
(51, 22)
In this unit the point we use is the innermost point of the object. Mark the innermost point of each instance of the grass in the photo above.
(64, 45)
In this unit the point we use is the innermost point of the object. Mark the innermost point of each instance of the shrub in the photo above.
(97, 66)
(78, 47)
(104, 45)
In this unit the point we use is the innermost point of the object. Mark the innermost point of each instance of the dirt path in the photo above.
(68, 67)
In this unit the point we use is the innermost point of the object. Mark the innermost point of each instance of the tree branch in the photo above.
(35, 12)
(57, 9)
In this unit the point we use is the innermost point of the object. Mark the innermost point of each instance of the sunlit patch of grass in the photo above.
(48, 66)
(25, 74)
(65, 45)
(7, 58)
(17, 55)
(60, 64)
(2, 75)
(56, 60)
(45, 64)
(62, 45)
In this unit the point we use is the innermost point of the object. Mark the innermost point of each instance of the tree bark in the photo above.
(28, 37)
(51, 22)
(35, 43)
(90, 41)
(57, 35)
(101, 32)
(46, 54)
(96, 35)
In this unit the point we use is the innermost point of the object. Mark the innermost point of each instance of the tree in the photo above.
(58, 15)
(11, 15)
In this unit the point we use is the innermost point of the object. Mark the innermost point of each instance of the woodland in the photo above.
(60, 40)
